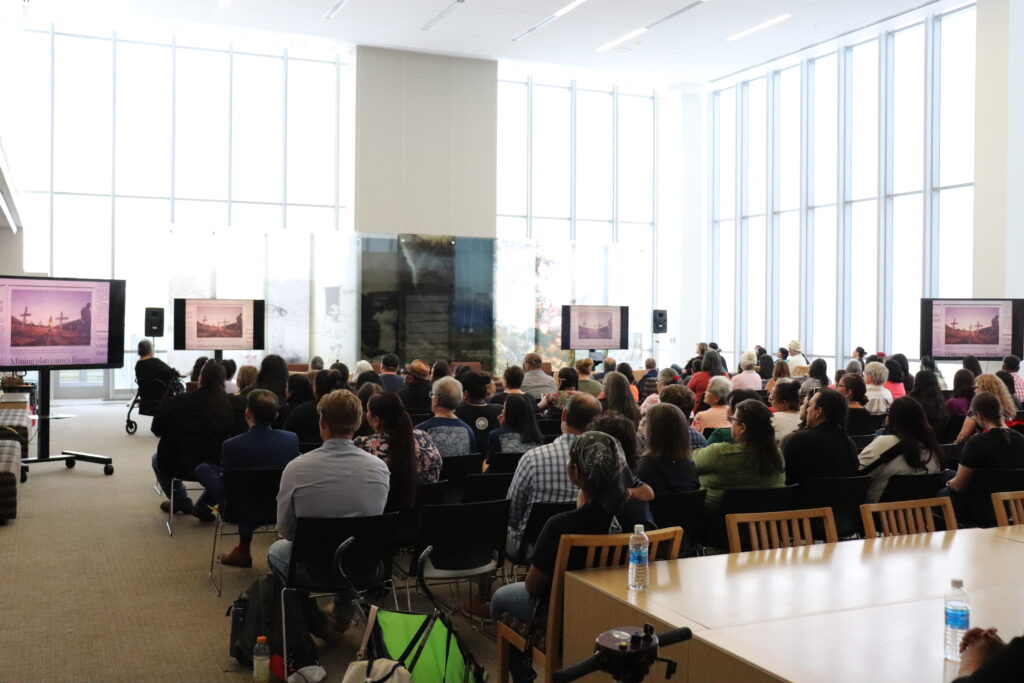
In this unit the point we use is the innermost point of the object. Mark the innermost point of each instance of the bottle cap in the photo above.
(638, 528)
(957, 583)
(261, 639)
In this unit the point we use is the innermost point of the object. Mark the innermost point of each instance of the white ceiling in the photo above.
(690, 47)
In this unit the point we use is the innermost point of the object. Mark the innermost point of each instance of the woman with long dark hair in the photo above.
(411, 456)
(909, 446)
(711, 366)
(927, 393)
(626, 370)
(568, 386)
(858, 420)
(519, 431)
(667, 465)
(365, 393)
(273, 376)
(996, 447)
(779, 371)
(908, 378)
(817, 377)
(765, 366)
(304, 420)
(928, 363)
(618, 397)
(959, 404)
(971, 363)
(895, 384)
(440, 369)
(197, 368)
(299, 391)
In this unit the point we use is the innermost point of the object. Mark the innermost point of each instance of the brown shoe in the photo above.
(237, 558)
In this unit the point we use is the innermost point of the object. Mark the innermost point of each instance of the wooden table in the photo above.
(825, 581)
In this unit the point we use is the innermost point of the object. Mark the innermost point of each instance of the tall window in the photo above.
(870, 189)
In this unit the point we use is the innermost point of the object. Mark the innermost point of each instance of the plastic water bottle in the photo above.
(958, 618)
(638, 549)
(261, 660)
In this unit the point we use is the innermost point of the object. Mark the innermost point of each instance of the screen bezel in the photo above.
(258, 331)
(1016, 321)
(623, 327)
(115, 327)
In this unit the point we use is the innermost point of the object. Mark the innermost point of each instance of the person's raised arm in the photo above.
(970, 425)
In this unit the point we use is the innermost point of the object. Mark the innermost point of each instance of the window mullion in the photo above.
(932, 125)
(806, 192)
(844, 190)
(772, 204)
(740, 242)
(885, 162)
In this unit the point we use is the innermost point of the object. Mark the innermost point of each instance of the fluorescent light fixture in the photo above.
(334, 9)
(547, 20)
(444, 13)
(622, 39)
(760, 27)
(568, 8)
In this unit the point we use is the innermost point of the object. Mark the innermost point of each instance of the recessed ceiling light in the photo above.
(548, 19)
(444, 13)
(568, 8)
(334, 9)
(760, 27)
(621, 39)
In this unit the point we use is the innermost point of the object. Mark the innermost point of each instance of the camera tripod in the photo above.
(627, 653)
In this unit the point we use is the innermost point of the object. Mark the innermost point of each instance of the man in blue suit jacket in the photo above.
(262, 447)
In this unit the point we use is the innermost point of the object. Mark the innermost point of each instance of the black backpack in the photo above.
(257, 612)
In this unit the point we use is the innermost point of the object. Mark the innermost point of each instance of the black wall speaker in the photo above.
(659, 321)
(154, 322)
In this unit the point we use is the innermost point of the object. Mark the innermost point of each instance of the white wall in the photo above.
(12, 251)
(999, 150)
(426, 144)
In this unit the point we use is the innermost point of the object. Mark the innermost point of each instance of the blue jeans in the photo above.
(514, 599)
(165, 483)
(279, 556)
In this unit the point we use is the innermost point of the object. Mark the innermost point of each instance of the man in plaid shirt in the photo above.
(1011, 364)
(541, 476)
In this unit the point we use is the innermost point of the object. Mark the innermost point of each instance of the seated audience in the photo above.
(971, 363)
(245, 377)
(410, 454)
(1011, 365)
(879, 398)
(926, 392)
(785, 404)
(389, 377)
(519, 431)
(858, 420)
(634, 510)
(681, 397)
(908, 446)
(416, 395)
(928, 363)
(230, 368)
(536, 382)
(304, 419)
(748, 377)
(751, 461)
(765, 367)
(197, 368)
(779, 371)
(608, 364)
(361, 367)
(666, 378)
(475, 411)
(796, 356)
(451, 435)
(316, 364)
(618, 396)
(365, 393)
(997, 447)
(568, 386)
(298, 391)
(822, 449)
(342, 370)
(440, 369)
(1007, 379)
(368, 377)
(857, 358)
(716, 416)
(150, 368)
(339, 479)
(713, 346)
(993, 385)
(855, 367)
(512, 380)
(731, 401)
(646, 384)
(959, 404)
(711, 366)
(273, 376)
(541, 475)
(782, 354)
(208, 416)
(666, 465)
(817, 377)
(585, 368)
(908, 378)
(262, 447)
(597, 467)
(694, 364)
(985, 658)
(839, 376)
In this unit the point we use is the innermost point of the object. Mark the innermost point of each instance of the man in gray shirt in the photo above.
(536, 382)
(336, 480)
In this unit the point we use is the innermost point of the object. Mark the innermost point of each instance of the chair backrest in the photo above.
(742, 501)
(769, 530)
(366, 561)
(550, 438)
(409, 518)
(550, 427)
(862, 440)
(843, 494)
(974, 506)
(503, 463)
(1009, 507)
(307, 446)
(251, 495)
(463, 536)
(953, 427)
(599, 550)
(298, 367)
(678, 509)
(912, 486)
(454, 469)
(193, 451)
(480, 487)
(906, 517)
(538, 516)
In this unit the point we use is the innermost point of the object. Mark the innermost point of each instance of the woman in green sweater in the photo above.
(751, 461)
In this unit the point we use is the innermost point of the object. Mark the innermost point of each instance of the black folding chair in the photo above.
(679, 509)
(409, 518)
(338, 555)
(250, 496)
(974, 506)
(504, 463)
(912, 486)
(862, 440)
(953, 427)
(307, 446)
(454, 469)
(192, 451)
(478, 488)
(550, 427)
(740, 501)
(538, 516)
(843, 494)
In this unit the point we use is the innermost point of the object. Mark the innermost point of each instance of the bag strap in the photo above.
(386, 677)
(371, 621)
(888, 456)
(527, 661)
(423, 642)
(427, 623)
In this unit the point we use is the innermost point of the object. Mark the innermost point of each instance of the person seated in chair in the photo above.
(451, 435)
(339, 479)
(416, 395)
(262, 447)
(207, 414)
(149, 368)
(823, 449)
(476, 411)
(389, 377)
(304, 419)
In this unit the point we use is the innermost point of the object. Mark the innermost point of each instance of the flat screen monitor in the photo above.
(61, 323)
(989, 329)
(595, 327)
(218, 324)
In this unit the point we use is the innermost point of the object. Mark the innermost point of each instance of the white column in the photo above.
(999, 150)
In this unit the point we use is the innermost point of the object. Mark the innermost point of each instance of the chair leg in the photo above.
(219, 586)
(503, 670)
(170, 511)
(284, 630)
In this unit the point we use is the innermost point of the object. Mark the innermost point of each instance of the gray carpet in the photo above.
(93, 588)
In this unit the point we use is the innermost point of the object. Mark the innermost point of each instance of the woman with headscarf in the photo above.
(598, 467)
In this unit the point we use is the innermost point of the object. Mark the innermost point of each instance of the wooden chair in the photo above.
(906, 517)
(1009, 507)
(770, 530)
(602, 550)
